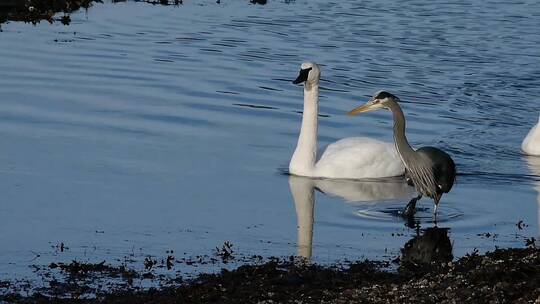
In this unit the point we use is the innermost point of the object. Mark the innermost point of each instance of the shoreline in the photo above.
(504, 275)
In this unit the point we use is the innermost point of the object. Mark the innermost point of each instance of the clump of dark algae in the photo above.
(502, 276)
(36, 10)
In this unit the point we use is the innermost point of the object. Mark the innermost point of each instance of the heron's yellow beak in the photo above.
(368, 107)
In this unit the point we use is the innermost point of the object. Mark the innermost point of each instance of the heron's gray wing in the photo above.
(421, 172)
(443, 167)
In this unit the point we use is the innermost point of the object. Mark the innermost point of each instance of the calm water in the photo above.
(140, 129)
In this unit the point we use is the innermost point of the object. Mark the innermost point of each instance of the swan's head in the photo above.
(309, 74)
(380, 100)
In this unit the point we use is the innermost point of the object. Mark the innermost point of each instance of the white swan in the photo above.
(531, 143)
(353, 157)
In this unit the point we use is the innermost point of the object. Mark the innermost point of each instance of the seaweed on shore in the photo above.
(37, 10)
(502, 276)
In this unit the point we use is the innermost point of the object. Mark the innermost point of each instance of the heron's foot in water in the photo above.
(435, 214)
(410, 209)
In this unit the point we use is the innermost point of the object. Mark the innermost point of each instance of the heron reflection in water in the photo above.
(431, 170)
(303, 193)
(429, 245)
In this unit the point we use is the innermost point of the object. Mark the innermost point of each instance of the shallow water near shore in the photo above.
(139, 130)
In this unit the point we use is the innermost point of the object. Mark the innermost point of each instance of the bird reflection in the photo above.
(303, 193)
(429, 245)
(365, 190)
(533, 162)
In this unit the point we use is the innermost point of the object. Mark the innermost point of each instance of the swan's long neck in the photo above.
(305, 155)
(402, 144)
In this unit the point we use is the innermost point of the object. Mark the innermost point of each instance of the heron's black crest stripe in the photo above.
(383, 95)
(302, 76)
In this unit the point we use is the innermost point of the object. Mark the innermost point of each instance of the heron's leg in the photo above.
(408, 179)
(435, 209)
(410, 209)
(435, 214)
(411, 222)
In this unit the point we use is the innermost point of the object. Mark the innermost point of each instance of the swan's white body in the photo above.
(531, 143)
(359, 157)
(354, 157)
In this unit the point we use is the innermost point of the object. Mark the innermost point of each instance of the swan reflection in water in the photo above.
(533, 162)
(303, 192)
(431, 244)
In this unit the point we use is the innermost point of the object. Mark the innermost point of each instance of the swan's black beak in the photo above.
(302, 76)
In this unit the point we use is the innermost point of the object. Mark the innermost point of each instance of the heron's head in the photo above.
(380, 100)
(309, 74)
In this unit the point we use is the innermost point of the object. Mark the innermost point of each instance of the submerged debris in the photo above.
(79, 269)
(225, 252)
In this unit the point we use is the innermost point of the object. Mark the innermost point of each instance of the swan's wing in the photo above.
(359, 157)
(321, 151)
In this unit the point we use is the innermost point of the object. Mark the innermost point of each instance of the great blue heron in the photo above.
(431, 170)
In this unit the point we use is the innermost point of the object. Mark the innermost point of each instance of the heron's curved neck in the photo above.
(402, 144)
(305, 155)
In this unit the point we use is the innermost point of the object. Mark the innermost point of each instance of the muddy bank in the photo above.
(502, 276)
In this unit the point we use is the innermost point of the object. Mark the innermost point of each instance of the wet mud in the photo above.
(424, 274)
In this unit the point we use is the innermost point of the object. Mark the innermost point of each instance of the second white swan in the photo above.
(353, 157)
(531, 143)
